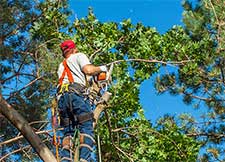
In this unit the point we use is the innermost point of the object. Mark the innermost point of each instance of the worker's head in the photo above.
(67, 47)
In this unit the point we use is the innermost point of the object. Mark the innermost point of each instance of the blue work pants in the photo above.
(79, 106)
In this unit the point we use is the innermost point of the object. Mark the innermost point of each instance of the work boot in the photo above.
(67, 143)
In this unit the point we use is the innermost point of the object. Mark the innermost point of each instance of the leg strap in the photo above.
(83, 144)
(84, 117)
(67, 159)
(78, 119)
(83, 160)
(87, 146)
(83, 135)
(67, 143)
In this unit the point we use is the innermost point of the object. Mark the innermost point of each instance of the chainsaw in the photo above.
(102, 81)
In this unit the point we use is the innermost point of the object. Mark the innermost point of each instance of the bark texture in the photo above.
(22, 125)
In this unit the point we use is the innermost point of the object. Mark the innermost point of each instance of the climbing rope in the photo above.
(76, 146)
(54, 126)
(99, 147)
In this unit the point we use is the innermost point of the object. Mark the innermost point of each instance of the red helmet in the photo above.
(67, 45)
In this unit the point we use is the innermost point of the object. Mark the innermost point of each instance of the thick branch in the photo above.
(22, 125)
(98, 110)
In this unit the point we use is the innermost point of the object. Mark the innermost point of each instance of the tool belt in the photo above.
(77, 119)
(73, 88)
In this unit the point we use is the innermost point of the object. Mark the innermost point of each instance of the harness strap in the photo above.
(87, 146)
(66, 158)
(67, 143)
(83, 160)
(75, 143)
(84, 117)
(82, 135)
(74, 87)
(66, 71)
(78, 119)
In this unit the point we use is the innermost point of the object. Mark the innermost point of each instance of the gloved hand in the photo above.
(103, 68)
(108, 72)
(103, 75)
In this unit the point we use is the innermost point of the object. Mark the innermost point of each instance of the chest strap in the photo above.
(66, 71)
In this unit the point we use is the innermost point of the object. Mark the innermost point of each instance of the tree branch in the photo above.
(15, 75)
(15, 151)
(21, 136)
(172, 63)
(215, 135)
(29, 84)
(22, 125)
(124, 153)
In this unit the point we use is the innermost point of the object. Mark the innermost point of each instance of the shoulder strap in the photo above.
(66, 71)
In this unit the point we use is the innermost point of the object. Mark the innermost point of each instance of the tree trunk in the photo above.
(100, 107)
(98, 110)
(22, 125)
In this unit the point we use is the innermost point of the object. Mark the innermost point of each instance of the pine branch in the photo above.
(15, 151)
(46, 132)
(27, 85)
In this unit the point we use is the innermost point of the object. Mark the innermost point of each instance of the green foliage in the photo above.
(139, 141)
(21, 77)
(125, 133)
(51, 22)
(130, 137)
(201, 80)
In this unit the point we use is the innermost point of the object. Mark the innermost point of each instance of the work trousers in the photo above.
(79, 106)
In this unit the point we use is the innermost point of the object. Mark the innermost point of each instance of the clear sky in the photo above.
(159, 14)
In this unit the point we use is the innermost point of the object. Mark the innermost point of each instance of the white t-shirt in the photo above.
(75, 63)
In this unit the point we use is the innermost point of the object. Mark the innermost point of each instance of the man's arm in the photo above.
(93, 70)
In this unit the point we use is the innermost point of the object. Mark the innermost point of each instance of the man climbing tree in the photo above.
(74, 106)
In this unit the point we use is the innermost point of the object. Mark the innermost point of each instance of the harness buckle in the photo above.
(63, 88)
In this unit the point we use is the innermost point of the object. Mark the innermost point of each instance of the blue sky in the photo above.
(159, 14)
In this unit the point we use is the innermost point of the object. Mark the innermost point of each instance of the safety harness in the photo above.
(66, 71)
(72, 87)
(73, 144)
(96, 97)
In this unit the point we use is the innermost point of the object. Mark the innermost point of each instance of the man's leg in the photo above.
(87, 140)
(63, 105)
(82, 107)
